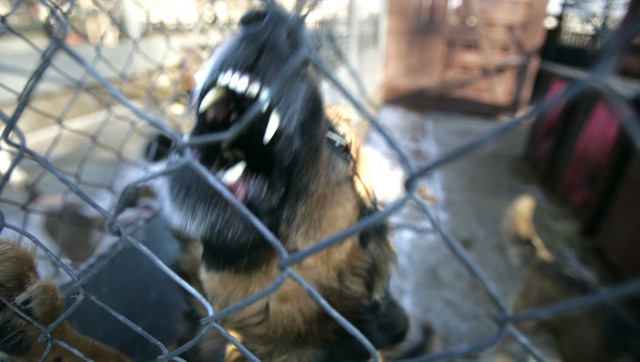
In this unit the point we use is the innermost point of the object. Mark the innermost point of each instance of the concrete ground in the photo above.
(469, 197)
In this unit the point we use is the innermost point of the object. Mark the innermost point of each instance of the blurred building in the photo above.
(463, 55)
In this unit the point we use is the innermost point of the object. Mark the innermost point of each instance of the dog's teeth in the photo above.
(265, 99)
(212, 96)
(224, 78)
(233, 82)
(253, 90)
(272, 127)
(232, 175)
(243, 84)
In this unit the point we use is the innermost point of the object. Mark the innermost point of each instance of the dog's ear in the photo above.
(350, 133)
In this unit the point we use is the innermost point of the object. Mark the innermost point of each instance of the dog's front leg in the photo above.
(43, 302)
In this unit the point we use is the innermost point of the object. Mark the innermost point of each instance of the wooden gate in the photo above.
(477, 56)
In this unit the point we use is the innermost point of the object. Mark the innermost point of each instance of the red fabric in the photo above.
(590, 155)
(545, 137)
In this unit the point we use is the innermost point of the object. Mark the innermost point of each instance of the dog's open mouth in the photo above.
(247, 165)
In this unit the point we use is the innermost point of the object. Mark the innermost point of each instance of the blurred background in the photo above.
(550, 88)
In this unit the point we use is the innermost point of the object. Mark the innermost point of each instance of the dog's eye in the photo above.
(340, 141)
(253, 17)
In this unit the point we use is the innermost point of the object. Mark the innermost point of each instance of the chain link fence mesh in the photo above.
(85, 85)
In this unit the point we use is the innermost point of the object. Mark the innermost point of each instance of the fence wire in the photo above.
(89, 53)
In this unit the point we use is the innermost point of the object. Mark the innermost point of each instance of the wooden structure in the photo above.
(479, 56)
(582, 153)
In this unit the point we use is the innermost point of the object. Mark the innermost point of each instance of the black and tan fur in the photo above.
(304, 185)
(318, 191)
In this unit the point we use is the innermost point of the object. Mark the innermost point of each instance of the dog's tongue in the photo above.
(239, 189)
(244, 185)
(235, 181)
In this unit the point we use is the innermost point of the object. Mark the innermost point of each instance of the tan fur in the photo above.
(518, 219)
(520, 232)
(579, 336)
(288, 316)
(19, 283)
(347, 275)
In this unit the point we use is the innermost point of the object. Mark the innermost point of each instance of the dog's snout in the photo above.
(253, 17)
(273, 26)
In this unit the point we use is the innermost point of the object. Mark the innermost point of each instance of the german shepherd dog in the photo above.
(298, 172)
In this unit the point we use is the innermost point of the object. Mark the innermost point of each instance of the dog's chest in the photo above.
(286, 312)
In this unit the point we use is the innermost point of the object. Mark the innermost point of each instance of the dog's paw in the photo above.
(28, 305)
(38, 300)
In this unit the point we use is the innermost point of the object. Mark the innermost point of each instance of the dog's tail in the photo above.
(518, 228)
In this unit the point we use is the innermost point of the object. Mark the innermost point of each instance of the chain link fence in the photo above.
(85, 84)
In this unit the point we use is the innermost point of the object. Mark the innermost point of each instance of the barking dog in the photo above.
(298, 173)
